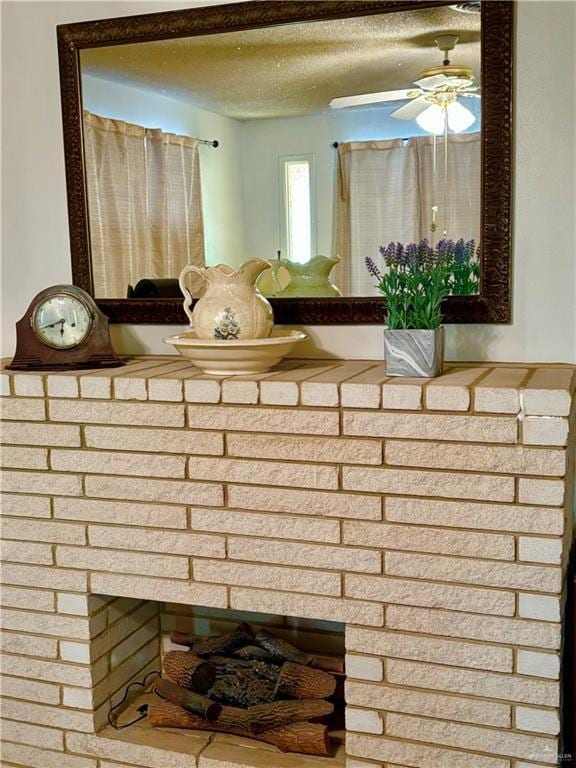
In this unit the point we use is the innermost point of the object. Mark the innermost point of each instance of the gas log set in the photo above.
(254, 685)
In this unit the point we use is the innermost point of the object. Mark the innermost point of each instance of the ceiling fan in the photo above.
(435, 102)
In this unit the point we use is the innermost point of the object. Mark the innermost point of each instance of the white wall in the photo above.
(35, 235)
(221, 167)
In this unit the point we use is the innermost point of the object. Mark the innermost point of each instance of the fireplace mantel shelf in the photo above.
(484, 388)
(430, 518)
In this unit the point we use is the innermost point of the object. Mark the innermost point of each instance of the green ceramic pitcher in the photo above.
(309, 279)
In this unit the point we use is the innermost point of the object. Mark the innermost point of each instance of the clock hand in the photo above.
(51, 325)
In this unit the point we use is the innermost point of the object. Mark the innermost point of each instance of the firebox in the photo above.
(244, 686)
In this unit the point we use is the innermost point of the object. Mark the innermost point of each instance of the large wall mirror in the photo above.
(309, 134)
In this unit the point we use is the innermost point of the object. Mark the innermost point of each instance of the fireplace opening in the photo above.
(224, 684)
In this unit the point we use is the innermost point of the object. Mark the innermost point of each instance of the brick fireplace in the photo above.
(429, 518)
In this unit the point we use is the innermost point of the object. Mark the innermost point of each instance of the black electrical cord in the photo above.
(143, 709)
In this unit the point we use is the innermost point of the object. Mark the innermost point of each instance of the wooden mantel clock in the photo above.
(62, 330)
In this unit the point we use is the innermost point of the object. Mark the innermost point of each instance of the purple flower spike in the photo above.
(371, 267)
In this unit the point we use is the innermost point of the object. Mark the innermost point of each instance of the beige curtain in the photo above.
(376, 202)
(385, 192)
(456, 193)
(144, 203)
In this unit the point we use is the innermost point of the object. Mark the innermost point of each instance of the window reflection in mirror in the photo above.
(296, 178)
(309, 145)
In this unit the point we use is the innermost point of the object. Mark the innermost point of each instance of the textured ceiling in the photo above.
(293, 69)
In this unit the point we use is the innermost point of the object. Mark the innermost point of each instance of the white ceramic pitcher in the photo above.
(231, 307)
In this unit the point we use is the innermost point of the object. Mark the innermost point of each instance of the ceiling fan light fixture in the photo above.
(432, 120)
(473, 6)
(459, 118)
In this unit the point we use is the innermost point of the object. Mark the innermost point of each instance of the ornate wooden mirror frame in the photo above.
(492, 305)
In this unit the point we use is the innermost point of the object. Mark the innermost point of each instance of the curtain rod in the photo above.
(211, 143)
(336, 144)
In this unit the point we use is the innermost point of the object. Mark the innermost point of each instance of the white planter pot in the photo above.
(414, 353)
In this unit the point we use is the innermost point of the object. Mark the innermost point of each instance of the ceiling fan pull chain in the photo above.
(433, 225)
(445, 172)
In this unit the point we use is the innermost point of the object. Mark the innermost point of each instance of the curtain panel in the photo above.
(385, 192)
(144, 203)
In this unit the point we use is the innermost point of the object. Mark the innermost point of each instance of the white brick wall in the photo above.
(425, 516)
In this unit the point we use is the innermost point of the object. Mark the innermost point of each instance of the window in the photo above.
(297, 221)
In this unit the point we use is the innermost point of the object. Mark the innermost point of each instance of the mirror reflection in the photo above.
(310, 145)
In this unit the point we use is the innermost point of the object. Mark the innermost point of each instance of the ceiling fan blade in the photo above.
(432, 82)
(341, 102)
(411, 110)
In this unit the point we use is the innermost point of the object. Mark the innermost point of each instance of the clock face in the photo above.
(62, 321)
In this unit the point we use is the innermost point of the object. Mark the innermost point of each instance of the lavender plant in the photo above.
(419, 276)
(464, 260)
